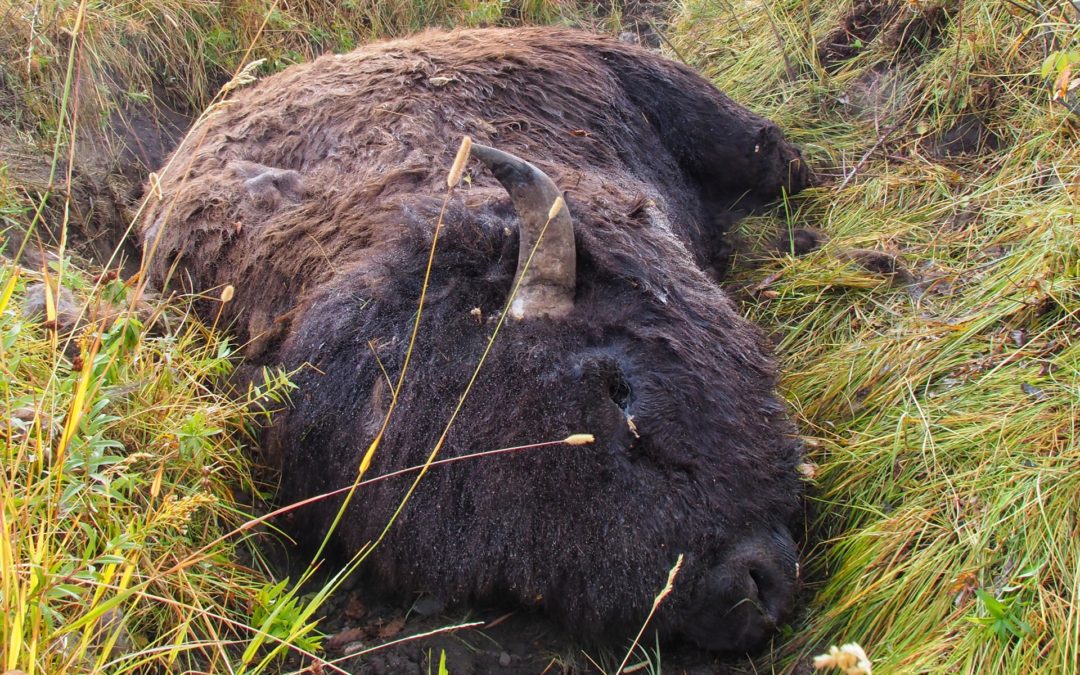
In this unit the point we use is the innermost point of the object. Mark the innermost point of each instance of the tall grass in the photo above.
(942, 415)
(181, 51)
(118, 462)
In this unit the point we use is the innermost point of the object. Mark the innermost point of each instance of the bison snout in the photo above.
(742, 601)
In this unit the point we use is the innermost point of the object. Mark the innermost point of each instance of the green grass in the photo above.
(119, 477)
(942, 417)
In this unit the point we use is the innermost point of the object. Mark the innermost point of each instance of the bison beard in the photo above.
(316, 193)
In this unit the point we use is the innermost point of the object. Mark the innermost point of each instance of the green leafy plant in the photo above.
(1002, 619)
(277, 611)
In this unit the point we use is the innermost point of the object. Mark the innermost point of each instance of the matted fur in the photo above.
(315, 193)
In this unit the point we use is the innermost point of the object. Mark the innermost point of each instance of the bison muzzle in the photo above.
(317, 193)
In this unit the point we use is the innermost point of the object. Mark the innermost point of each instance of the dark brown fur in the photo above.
(316, 192)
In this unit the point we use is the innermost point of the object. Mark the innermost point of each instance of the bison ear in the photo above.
(545, 284)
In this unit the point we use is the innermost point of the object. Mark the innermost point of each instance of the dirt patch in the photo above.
(971, 133)
(644, 22)
(509, 641)
(95, 215)
(147, 131)
(857, 29)
(109, 168)
(968, 136)
(913, 33)
(902, 29)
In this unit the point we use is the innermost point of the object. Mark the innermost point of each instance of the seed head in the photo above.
(459, 162)
(849, 659)
(580, 439)
(556, 206)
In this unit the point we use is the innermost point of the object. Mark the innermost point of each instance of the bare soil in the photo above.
(510, 641)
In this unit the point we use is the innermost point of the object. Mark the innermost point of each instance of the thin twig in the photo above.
(881, 139)
(1023, 8)
(788, 68)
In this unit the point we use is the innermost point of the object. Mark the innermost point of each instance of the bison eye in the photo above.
(619, 390)
(602, 374)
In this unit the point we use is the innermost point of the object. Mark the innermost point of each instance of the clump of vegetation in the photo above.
(120, 526)
(940, 393)
(182, 51)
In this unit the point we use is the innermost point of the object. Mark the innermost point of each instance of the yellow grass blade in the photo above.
(9, 288)
(78, 403)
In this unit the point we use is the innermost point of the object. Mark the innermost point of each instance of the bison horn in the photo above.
(547, 287)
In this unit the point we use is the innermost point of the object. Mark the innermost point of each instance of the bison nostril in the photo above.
(757, 588)
(761, 592)
(747, 595)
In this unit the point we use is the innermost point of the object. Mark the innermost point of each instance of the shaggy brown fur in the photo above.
(316, 192)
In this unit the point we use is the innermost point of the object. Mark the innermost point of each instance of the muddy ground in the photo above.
(508, 641)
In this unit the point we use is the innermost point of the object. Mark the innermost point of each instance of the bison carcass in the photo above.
(316, 194)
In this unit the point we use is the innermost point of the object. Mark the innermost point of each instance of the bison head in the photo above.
(317, 193)
(614, 332)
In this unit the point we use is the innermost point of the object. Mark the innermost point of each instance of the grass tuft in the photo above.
(182, 51)
(118, 462)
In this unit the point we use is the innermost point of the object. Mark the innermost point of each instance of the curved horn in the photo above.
(547, 287)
